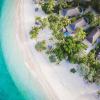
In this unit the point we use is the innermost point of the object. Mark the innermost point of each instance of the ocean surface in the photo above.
(16, 83)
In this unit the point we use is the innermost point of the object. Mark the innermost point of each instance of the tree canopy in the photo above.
(34, 32)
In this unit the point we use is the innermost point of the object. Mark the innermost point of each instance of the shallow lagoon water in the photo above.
(8, 90)
(16, 83)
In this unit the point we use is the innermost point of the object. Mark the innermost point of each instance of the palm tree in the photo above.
(34, 32)
(51, 5)
(44, 23)
(79, 34)
(65, 21)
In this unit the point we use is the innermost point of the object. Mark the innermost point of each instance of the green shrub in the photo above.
(83, 70)
(34, 32)
(44, 8)
(73, 70)
(40, 46)
(52, 58)
(91, 75)
(49, 6)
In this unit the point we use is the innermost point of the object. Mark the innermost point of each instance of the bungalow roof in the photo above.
(79, 23)
(98, 56)
(70, 12)
(94, 35)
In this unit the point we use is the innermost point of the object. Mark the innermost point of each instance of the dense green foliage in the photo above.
(49, 6)
(57, 22)
(95, 4)
(92, 66)
(80, 34)
(43, 22)
(67, 49)
(70, 48)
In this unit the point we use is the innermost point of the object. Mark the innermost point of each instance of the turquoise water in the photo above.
(8, 90)
(16, 83)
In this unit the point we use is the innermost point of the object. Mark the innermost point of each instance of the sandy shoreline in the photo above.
(49, 82)
(31, 66)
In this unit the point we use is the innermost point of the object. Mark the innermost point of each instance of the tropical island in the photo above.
(70, 31)
(49, 49)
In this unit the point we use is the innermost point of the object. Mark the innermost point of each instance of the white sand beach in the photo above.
(56, 80)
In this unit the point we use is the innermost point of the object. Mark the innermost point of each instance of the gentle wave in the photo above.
(16, 83)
